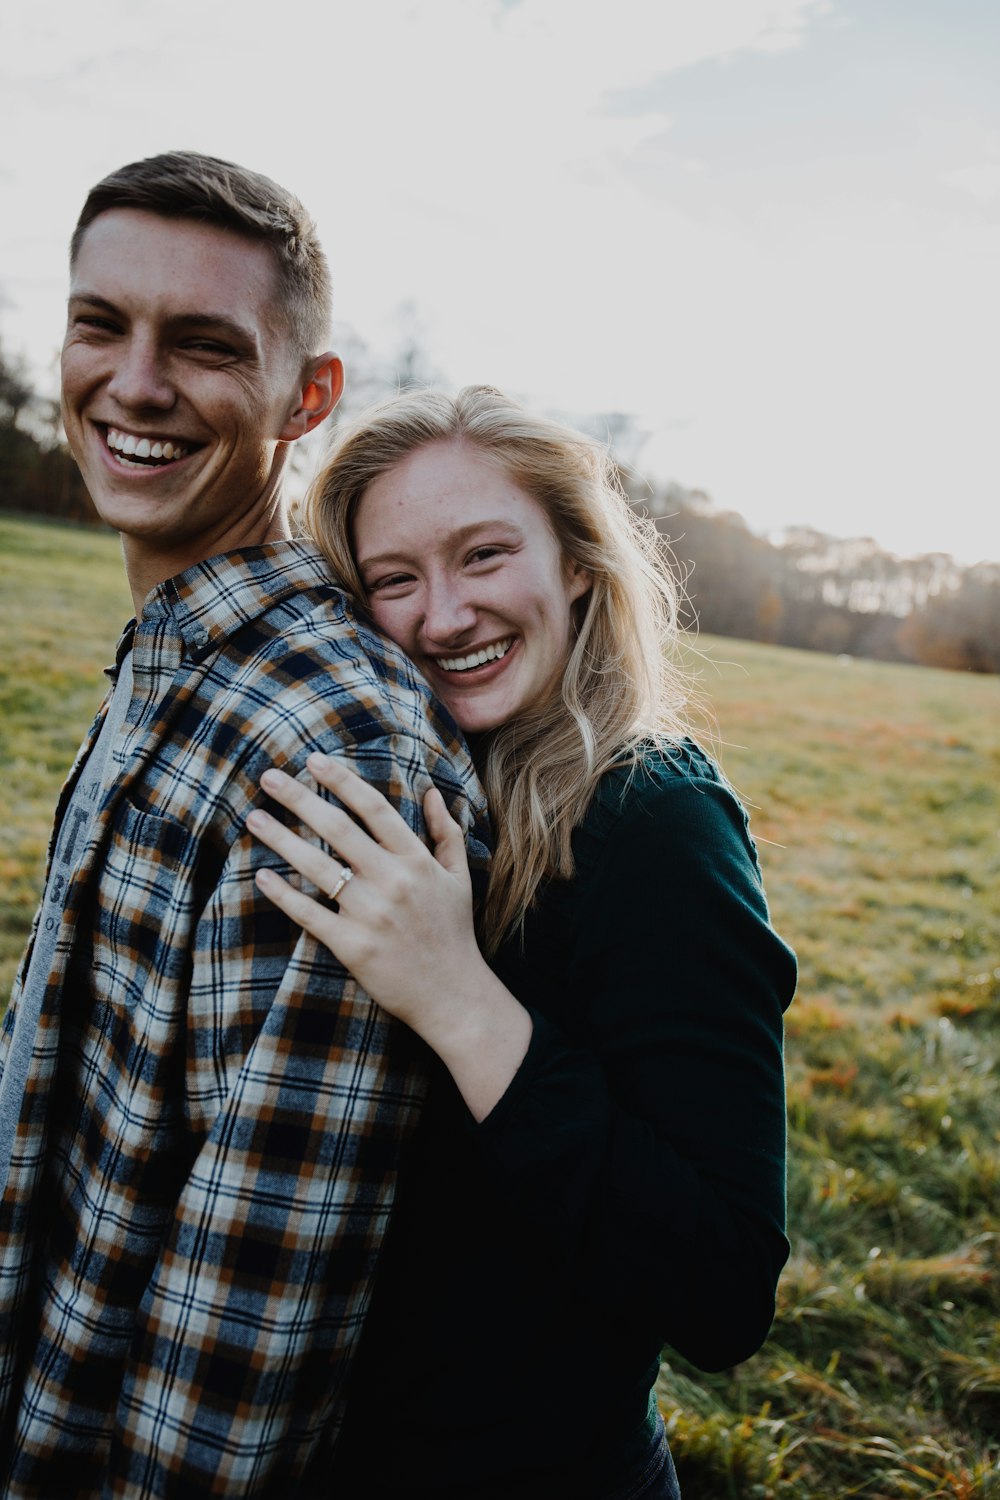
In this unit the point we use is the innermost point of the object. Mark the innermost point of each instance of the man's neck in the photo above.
(147, 565)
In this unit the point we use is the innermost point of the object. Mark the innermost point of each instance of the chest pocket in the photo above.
(147, 905)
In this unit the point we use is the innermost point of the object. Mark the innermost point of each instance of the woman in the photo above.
(600, 1167)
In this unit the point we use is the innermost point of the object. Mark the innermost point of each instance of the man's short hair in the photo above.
(187, 185)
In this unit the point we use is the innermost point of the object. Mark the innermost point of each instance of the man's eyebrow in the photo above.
(93, 300)
(219, 322)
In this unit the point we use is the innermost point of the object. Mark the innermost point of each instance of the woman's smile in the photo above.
(479, 656)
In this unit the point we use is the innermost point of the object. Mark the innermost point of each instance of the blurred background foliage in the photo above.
(800, 588)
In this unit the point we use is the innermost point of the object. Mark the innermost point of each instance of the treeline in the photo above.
(824, 593)
(37, 471)
(806, 589)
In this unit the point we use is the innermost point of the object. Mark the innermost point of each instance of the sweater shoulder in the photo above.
(658, 765)
(671, 783)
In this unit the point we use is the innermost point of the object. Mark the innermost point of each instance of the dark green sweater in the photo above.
(627, 1191)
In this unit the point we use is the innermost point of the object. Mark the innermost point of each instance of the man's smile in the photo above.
(134, 450)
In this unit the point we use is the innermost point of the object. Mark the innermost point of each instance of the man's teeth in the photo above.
(161, 450)
(477, 659)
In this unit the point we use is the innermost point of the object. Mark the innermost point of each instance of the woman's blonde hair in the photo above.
(621, 684)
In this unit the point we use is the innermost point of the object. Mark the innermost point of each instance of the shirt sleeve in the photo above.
(651, 1144)
(299, 1094)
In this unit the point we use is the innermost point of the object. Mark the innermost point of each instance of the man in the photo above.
(203, 1113)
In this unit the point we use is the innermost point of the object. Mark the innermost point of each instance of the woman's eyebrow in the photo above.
(460, 535)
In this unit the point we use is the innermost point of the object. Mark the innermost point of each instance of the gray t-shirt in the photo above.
(75, 830)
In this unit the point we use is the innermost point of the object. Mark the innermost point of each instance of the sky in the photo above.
(767, 230)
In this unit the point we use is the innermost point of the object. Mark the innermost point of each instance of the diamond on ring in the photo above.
(346, 874)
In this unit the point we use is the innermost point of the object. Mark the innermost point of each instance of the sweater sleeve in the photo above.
(651, 1144)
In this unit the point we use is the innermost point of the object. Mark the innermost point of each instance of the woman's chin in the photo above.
(472, 723)
(476, 711)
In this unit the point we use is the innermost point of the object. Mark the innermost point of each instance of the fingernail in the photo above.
(321, 761)
(273, 778)
(257, 818)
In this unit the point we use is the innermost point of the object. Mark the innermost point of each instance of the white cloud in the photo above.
(981, 180)
(797, 348)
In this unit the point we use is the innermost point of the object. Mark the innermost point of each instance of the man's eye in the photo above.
(96, 324)
(209, 346)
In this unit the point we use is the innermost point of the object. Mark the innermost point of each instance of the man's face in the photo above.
(178, 382)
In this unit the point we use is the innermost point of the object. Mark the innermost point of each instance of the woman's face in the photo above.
(463, 572)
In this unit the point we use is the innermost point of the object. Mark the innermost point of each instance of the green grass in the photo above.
(63, 601)
(876, 808)
(878, 817)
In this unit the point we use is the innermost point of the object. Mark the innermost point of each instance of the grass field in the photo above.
(875, 796)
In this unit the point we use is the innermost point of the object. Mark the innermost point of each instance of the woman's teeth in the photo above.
(476, 659)
(144, 451)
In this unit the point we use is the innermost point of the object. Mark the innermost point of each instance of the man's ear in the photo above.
(322, 388)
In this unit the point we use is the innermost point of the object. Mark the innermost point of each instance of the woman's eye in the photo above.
(388, 581)
(485, 554)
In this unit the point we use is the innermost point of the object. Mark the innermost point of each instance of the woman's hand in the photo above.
(403, 925)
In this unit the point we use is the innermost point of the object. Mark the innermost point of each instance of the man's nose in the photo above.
(140, 377)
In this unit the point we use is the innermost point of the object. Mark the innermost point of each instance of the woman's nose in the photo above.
(449, 614)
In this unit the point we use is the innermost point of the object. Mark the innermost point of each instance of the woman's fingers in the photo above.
(353, 849)
(324, 872)
(446, 834)
(378, 815)
(332, 824)
(404, 926)
(317, 920)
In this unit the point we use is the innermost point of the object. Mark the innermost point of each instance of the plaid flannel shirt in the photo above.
(214, 1112)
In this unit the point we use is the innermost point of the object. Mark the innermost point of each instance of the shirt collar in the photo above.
(210, 600)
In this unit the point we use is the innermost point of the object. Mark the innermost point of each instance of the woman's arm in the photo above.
(403, 924)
